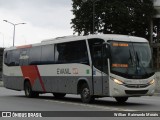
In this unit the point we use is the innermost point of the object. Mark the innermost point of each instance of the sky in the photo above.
(44, 19)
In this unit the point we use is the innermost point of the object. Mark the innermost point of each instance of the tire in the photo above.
(28, 90)
(121, 99)
(85, 94)
(59, 95)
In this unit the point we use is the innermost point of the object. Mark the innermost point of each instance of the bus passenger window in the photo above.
(35, 55)
(15, 57)
(47, 56)
(24, 57)
(5, 58)
(72, 52)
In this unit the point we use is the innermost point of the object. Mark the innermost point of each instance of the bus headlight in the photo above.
(117, 81)
(151, 82)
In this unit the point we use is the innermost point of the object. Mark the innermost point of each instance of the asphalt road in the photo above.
(11, 100)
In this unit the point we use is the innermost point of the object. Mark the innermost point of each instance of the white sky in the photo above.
(44, 19)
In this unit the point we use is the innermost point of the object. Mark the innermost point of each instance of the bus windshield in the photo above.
(131, 60)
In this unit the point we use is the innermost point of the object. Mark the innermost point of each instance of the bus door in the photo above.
(100, 70)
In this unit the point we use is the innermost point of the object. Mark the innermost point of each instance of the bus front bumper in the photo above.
(117, 90)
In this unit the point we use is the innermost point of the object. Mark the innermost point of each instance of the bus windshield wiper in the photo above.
(130, 59)
(138, 60)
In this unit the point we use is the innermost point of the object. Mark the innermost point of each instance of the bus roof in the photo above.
(106, 37)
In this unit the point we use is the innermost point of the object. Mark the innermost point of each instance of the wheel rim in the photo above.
(86, 93)
(27, 90)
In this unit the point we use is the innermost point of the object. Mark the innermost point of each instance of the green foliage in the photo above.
(130, 17)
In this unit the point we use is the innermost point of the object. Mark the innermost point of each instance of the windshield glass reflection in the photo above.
(131, 60)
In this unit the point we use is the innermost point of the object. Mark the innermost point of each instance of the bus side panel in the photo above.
(64, 77)
(47, 82)
(12, 77)
(11, 82)
(101, 83)
(105, 85)
(56, 84)
(97, 85)
(64, 84)
(37, 86)
(49, 78)
(69, 84)
(59, 84)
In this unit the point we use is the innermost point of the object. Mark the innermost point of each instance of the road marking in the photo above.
(91, 106)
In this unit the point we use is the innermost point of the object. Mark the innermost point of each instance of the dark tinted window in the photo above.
(24, 56)
(98, 54)
(35, 55)
(15, 58)
(92, 43)
(72, 52)
(7, 56)
(47, 54)
(11, 58)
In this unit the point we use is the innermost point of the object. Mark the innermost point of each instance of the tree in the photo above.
(130, 17)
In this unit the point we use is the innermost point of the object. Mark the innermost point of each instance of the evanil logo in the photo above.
(63, 71)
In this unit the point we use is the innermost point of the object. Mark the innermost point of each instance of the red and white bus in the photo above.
(118, 66)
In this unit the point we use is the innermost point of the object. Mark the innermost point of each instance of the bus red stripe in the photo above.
(40, 79)
(32, 73)
(24, 46)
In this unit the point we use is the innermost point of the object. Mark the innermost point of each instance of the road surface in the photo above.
(11, 100)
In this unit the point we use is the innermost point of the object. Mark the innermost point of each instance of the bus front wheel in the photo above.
(121, 99)
(85, 94)
(28, 90)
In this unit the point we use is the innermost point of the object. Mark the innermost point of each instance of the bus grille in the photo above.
(137, 92)
(137, 85)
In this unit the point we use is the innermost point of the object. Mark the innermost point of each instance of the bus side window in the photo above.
(72, 52)
(14, 58)
(56, 53)
(17, 53)
(35, 55)
(5, 58)
(8, 58)
(47, 56)
(60, 53)
(24, 56)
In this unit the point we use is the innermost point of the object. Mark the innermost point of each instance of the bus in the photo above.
(93, 66)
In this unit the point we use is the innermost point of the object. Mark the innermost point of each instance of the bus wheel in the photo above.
(59, 95)
(121, 99)
(28, 90)
(85, 94)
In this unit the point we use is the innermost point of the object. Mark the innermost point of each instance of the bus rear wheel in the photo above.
(121, 99)
(85, 94)
(28, 90)
(59, 95)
